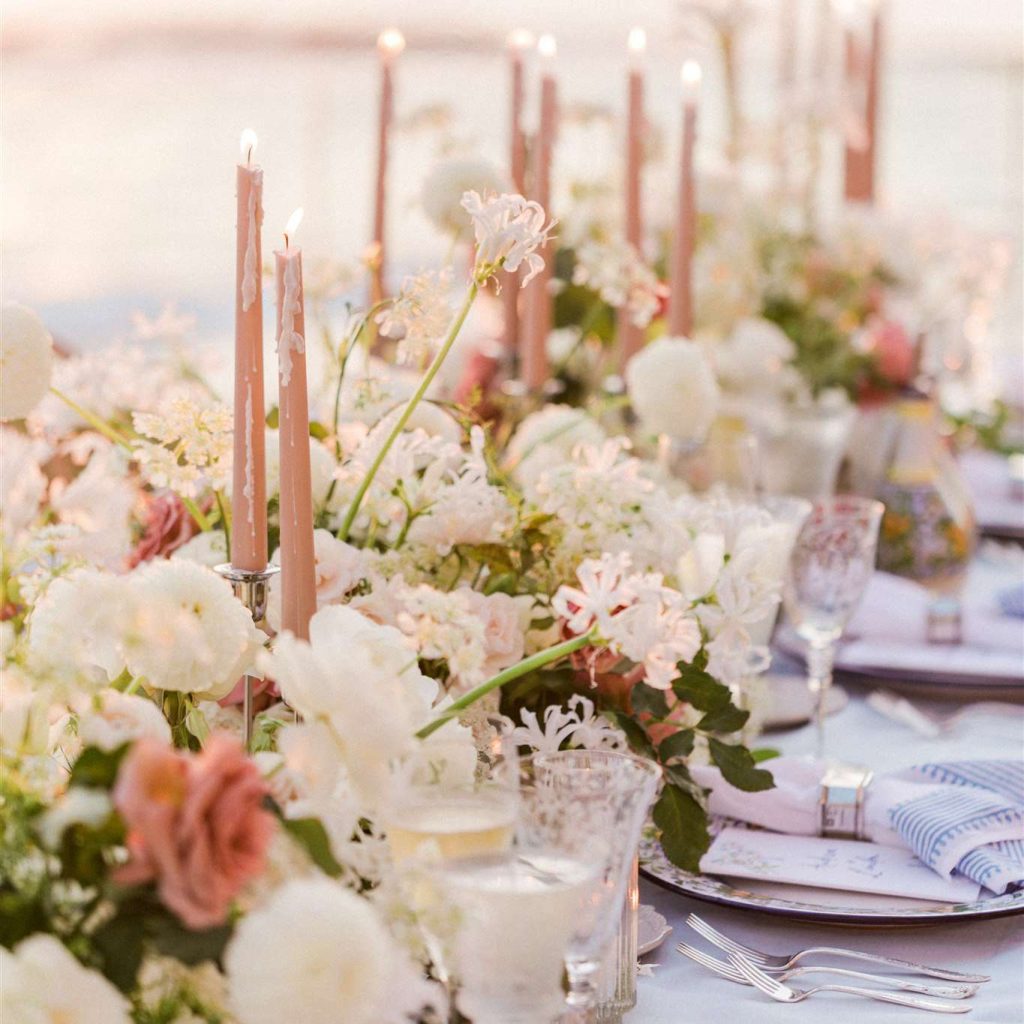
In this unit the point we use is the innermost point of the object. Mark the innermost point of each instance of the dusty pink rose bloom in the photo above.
(503, 631)
(169, 526)
(196, 825)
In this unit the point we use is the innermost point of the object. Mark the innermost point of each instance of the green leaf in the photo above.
(635, 732)
(703, 691)
(97, 768)
(764, 754)
(310, 834)
(738, 767)
(683, 828)
(318, 430)
(727, 719)
(647, 700)
(120, 942)
(679, 744)
(678, 775)
(191, 947)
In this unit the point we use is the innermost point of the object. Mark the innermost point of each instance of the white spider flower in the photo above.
(509, 230)
(619, 275)
(418, 317)
(26, 361)
(575, 725)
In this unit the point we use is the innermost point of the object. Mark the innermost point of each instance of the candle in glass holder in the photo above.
(519, 41)
(631, 336)
(680, 308)
(534, 369)
(249, 482)
(390, 43)
(298, 564)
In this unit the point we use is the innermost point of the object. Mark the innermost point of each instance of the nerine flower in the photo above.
(418, 317)
(618, 273)
(509, 230)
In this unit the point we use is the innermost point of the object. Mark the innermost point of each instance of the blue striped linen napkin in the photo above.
(973, 824)
(965, 817)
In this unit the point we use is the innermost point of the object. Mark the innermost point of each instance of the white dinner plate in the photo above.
(827, 906)
(652, 929)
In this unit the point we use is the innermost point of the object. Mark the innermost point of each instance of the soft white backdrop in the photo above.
(120, 127)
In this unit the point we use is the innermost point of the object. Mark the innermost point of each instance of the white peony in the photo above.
(41, 982)
(673, 389)
(189, 633)
(362, 680)
(446, 184)
(113, 718)
(317, 953)
(26, 361)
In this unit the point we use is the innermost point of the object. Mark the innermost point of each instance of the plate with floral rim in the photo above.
(826, 906)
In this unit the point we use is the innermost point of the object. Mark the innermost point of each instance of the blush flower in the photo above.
(26, 359)
(168, 526)
(196, 825)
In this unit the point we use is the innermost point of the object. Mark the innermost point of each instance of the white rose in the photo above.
(698, 568)
(23, 715)
(115, 718)
(26, 361)
(42, 981)
(313, 951)
(504, 628)
(672, 389)
(209, 548)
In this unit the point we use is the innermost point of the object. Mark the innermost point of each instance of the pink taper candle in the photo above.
(862, 71)
(518, 42)
(534, 362)
(298, 563)
(680, 306)
(249, 486)
(390, 44)
(631, 336)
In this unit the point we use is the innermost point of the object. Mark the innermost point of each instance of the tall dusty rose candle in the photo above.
(680, 306)
(631, 336)
(862, 73)
(519, 42)
(789, 28)
(390, 43)
(249, 484)
(298, 564)
(534, 368)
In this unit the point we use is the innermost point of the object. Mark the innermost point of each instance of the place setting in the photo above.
(510, 516)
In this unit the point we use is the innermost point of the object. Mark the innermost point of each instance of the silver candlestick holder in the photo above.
(251, 587)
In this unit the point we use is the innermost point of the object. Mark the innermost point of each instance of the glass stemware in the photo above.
(614, 792)
(832, 562)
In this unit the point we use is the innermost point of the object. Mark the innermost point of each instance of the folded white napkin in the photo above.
(989, 480)
(966, 816)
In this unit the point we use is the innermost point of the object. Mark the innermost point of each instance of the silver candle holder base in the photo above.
(252, 588)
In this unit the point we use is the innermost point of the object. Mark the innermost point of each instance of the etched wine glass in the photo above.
(832, 562)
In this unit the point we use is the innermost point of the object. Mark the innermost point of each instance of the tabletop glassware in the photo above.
(614, 792)
(831, 564)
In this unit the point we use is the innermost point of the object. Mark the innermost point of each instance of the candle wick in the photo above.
(248, 157)
(286, 241)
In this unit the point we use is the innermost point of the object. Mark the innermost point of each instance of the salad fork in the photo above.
(730, 972)
(773, 964)
(788, 994)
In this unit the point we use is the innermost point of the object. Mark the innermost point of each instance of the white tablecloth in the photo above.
(680, 992)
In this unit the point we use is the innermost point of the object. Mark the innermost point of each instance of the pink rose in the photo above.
(893, 351)
(196, 825)
(504, 637)
(169, 525)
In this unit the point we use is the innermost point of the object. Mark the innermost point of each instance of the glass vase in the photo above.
(616, 985)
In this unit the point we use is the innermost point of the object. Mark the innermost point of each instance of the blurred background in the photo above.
(121, 123)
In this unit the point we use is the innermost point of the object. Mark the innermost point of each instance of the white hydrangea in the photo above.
(673, 389)
(26, 361)
(42, 981)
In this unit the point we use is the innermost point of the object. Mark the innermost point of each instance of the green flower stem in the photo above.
(197, 514)
(93, 420)
(520, 668)
(400, 423)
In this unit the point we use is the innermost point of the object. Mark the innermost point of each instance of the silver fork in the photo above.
(730, 972)
(788, 994)
(774, 964)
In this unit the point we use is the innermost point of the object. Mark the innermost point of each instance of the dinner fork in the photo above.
(730, 972)
(773, 964)
(788, 994)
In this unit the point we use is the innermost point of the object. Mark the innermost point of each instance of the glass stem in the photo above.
(582, 998)
(820, 658)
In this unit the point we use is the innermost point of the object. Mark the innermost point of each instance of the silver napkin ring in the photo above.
(842, 802)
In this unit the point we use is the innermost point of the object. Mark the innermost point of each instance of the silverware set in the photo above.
(769, 973)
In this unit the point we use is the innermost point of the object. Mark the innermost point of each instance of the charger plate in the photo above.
(826, 906)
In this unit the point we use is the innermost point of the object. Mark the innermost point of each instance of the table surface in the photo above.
(680, 991)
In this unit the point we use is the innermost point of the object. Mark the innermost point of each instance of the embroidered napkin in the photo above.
(966, 816)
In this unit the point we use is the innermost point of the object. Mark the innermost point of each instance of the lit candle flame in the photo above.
(248, 143)
(520, 39)
(292, 226)
(637, 40)
(691, 76)
(547, 47)
(391, 42)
